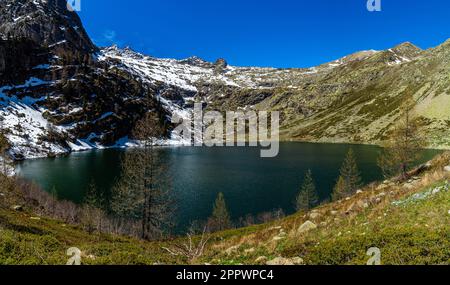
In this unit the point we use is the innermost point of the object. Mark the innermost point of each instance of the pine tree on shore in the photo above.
(339, 191)
(220, 219)
(349, 180)
(307, 199)
(91, 198)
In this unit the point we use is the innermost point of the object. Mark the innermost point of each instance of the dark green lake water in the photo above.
(251, 185)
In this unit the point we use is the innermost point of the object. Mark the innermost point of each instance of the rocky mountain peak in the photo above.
(221, 63)
(407, 50)
(196, 61)
(47, 22)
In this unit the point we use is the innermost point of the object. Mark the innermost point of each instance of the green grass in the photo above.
(26, 241)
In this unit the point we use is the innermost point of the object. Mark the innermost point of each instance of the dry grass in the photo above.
(370, 212)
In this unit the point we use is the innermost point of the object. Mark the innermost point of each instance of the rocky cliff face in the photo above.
(59, 93)
(47, 22)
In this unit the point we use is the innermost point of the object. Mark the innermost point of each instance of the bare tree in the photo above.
(191, 249)
(3, 157)
(4, 146)
(143, 191)
(404, 147)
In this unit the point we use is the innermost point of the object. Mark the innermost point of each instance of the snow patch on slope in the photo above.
(24, 123)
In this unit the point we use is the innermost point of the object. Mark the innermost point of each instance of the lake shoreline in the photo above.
(251, 184)
(121, 147)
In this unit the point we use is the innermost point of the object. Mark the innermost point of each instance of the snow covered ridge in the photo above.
(180, 74)
(187, 74)
(26, 128)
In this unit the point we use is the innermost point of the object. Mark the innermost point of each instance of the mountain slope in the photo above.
(59, 93)
(354, 99)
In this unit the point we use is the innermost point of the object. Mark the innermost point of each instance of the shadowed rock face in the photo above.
(47, 22)
(17, 59)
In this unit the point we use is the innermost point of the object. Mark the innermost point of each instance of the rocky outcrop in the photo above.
(220, 66)
(47, 22)
(306, 227)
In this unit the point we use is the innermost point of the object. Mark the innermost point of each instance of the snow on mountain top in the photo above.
(170, 71)
(188, 73)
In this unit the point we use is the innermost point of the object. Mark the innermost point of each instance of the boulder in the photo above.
(362, 205)
(306, 227)
(285, 261)
(17, 208)
(249, 251)
(381, 187)
(279, 261)
(314, 215)
(232, 249)
(436, 191)
(261, 260)
(350, 209)
(278, 238)
(297, 260)
(408, 186)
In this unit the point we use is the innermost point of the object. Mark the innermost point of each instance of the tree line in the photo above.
(399, 154)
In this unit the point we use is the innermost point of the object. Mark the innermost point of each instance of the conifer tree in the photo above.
(307, 199)
(220, 219)
(339, 191)
(349, 180)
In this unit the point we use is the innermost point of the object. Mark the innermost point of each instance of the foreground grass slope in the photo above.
(408, 221)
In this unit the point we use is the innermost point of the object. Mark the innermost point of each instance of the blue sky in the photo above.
(278, 33)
